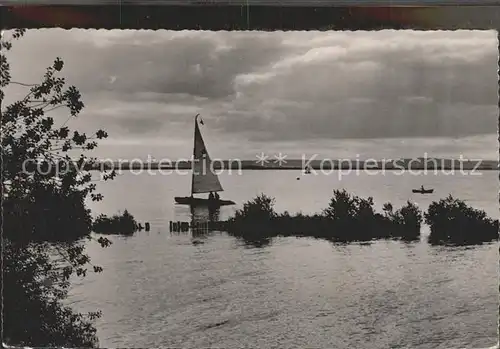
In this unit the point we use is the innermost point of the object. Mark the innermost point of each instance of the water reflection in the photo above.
(161, 291)
(201, 219)
(250, 243)
(202, 214)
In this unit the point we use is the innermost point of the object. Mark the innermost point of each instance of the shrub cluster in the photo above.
(453, 222)
(124, 224)
(347, 218)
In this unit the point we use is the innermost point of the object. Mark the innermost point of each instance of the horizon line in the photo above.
(285, 160)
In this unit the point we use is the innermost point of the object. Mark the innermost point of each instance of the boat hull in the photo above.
(187, 200)
(419, 191)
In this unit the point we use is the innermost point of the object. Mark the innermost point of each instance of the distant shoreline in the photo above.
(405, 164)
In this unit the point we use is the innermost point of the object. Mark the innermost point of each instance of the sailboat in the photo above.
(203, 180)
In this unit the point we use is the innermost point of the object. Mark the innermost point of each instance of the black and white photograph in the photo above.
(246, 189)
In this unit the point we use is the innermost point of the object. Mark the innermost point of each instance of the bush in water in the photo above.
(405, 222)
(347, 218)
(117, 224)
(452, 221)
(255, 221)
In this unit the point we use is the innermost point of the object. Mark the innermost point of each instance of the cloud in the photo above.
(272, 87)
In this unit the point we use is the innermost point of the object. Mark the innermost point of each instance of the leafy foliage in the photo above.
(354, 217)
(44, 219)
(452, 221)
(260, 208)
(33, 313)
(347, 218)
(254, 222)
(117, 224)
(406, 221)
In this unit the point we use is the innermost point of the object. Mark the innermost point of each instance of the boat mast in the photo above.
(194, 154)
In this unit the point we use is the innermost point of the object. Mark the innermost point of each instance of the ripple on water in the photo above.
(160, 290)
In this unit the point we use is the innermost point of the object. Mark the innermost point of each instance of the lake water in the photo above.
(160, 290)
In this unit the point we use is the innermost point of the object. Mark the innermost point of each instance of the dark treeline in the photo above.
(349, 218)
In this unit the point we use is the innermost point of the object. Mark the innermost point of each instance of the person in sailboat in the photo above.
(202, 179)
(216, 196)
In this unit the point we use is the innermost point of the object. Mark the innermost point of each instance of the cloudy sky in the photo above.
(338, 94)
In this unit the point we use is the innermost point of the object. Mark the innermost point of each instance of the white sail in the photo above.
(203, 180)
